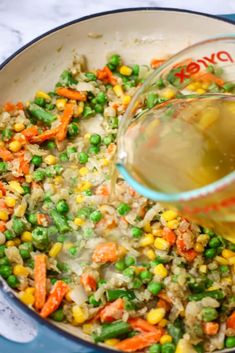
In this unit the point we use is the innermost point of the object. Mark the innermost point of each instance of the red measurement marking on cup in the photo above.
(195, 66)
(209, 208)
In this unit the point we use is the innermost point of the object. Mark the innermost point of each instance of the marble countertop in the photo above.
(23, 20)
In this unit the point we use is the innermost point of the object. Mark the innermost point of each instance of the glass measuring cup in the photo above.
(200, 82)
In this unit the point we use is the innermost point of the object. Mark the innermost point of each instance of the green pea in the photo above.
(61, 238)
(123, 209)
(154, 287)
(208, 231)
(107, 140)
(3, 167)
(210, 68)
(155, 348)
(32, 218)
(120, 265)
(168, 348)
(137, 283)
(136, 232)
(58, 169)
(12, 281)
(2, 250)
(90, 76)
(209, 314)
(73, 250)
(114, 122)
(7, 134)
(18, 226)
(111, 67)
(224, 269)
(9, 235)
(228, 86)
(58, 315)
(129, 260)
(5, 271)
(87, 111)
(71, 150)
(146, 276)
(40, 238)
(115, 60)
(210, 253)
(53, 280)
(73, 130)
(4, 261)
(52, 230)
(83, 157)
(84, 212)
(62, 206)
(51, 145)
(96, 216)
(101, 98)
(135, 70)
(160, 83)
(99, 108)
(25, 254)
(63, 267)
(26, 189)
(94, 302)
(29, 263)
(230, 342)
(129, 272)
(50, 106)
(88, 192)
(101, 282)
(214, 242)
(40, 101)
(39, 175)
(36, 160)
(63, 157)
(95, 139)
(94, 149)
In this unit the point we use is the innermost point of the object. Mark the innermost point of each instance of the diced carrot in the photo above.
(111, 148)
(140, 341)
(106, 76)
(30, 132)
(23, 163)
(2, 188)
(102, 190)
(113, 311)
(156, 63)
(88, 282)
(231, 321)
(164, 304)
(209, 78)
(142, 325)
(65, 120)
(106, 252)
(165, 297)
(71, 94)
(20, 106)
(210, 328)
(40, 280)
(9, 107)
(42, 219)
(169, 235)
(6, 155)
(55, 298)
(190, 254)
(2, 227)
(46, 135)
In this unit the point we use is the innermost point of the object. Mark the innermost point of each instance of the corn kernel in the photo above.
(28, 178)
(200, 91)
(126, 100)
(197, 84)
(10, 243)
(85, 185)
(163, 323)
(79, 314)
(150, 254)
(83, 171)
(160, 271)
(121, 251)
(227, 280)
(78, 221)
(203, 269)
(157, 232)
(44, 95)
(215, 287)
(125, 70)
(30, 290)
(205, 85)
(226, 253)
(112, 342)
(79, 198)
(174, 224)
(17, 241)
(2, 144)
(154, 316)
(165, 339)
(87, 136)
(55, 250)
(199, 247)
(60, 103)
(50, 159)
(147, 227)
(10, 201)
(231, 260)
(26, 236)
(147, 240)
(15, 187)
(15, 146)
(168, 93)
(3, 216)
(20, 270)
(68, 245)
(68, 296)
(191, 87)
(19, 127)
(20, 210)
(26, 298)
(87, 328)
(203, 239)
(161, 244)
(169, 215)
(118, 90)
(104, 162)
(58, 179)
(221, 260)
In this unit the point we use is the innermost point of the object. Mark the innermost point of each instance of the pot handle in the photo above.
(21, 333)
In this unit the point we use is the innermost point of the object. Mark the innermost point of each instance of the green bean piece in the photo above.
(113, 294)
(41, 114)
(40, 238)
(216, 294)
(60, 221)
(18, 226)
(175, 331)
(113, 330)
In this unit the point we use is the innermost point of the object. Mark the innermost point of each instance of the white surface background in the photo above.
(23, 20)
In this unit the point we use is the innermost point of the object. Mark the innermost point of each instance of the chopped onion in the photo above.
(78, 295)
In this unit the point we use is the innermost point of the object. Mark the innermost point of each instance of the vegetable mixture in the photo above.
(131, 274)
